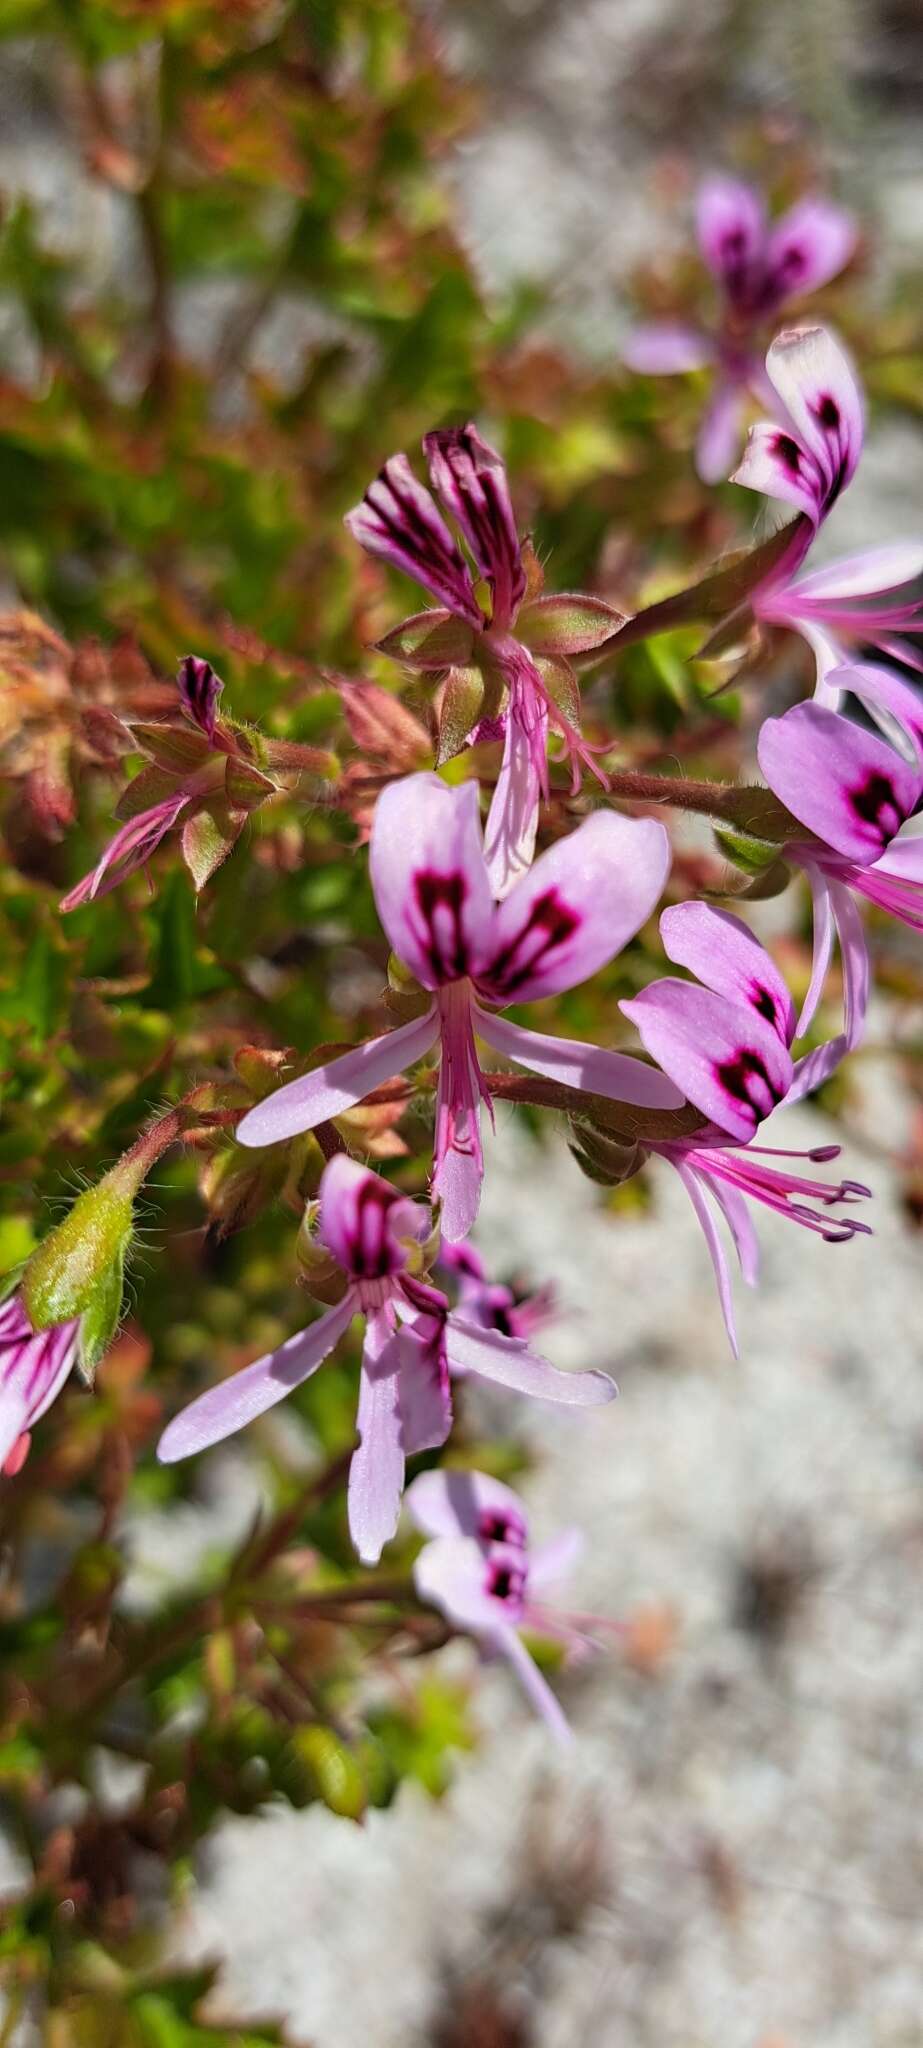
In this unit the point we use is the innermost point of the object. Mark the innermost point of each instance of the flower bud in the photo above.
(77, 1269)
(604, 1158)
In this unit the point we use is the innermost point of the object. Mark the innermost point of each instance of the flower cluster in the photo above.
(481, 922)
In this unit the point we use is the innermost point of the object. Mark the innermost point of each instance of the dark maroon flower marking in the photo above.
(789, 453)
(408, 528)
(445, 939)
(373, 1256)
(199, 690)
(764, 1001)
(875, 802)
(746, 1078)
(506, 1582)
(550, 923)
(497, 1525)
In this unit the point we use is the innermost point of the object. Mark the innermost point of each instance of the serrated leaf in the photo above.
(567, 624)
(429, 640)
(460, 707)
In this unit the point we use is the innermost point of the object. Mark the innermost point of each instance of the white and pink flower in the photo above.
(578, 905)
(412, 1340)
(34, 1365)
(726, 1040)
(480, 1570)
(758, 266)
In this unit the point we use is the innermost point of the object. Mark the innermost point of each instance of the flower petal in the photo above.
(470, 478)
(821, 394)
(726, 1058)
(809, 245)
(376, 1472)
(461, 1503)
(510, 1363)
(845, 785)
(580, 903)
(882, 689)
(731, 231)
(823, 946)
(398, 520)
(535, 1686)
(816, 1067)
(774, 464)
(512, 821)
(619, 1075)
(363, 1219)
(429, 878)
(199, 690)
(724, 953)
(238, 1400)
(425, 1390)
(452, 1574)
(856, 967)
(718, 439)
(716, 1250)
(553, 1561)
(131, 846)
(665, 347)
(336, 1086)
(868, 574)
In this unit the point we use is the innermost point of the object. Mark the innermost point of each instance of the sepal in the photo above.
(433, 639)
(569, 624)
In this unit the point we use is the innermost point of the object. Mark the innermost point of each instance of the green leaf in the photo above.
(567, 624)
(39, 995)
(183, 969)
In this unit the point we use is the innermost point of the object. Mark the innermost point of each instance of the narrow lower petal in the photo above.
(512, 821)
(555, 1560)
(131, 847)
(718, 439)
(510, 1363)
(664, 347)
(534, 1685)
(224, 1409)
(741, 1226)
(592, 1068)
(823, 947)
(425, 1392)
(376, 1473)
(854, 953)
(716, 1250)
(576, 908)
(816, 1067)
(336, 1086)
(871, 573)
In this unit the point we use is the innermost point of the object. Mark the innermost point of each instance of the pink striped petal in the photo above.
(365, 1222)
(820, 392)
(731, 231)
(823, 946)
(718, 439)
(469, 477)
(848, 787)
(578, 906)
(806, 248)
(724, 1056)
(336, 1086)
(724, 953)
(429, 878)
(597, 1071)
(774, 463)
(132, 845)
(236, 1401)
(398, 520)
(512, 821)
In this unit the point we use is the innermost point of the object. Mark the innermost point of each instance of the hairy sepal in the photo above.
(567, 624)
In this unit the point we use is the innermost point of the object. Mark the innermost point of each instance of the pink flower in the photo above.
(854, 793)
(411, 1341)
(727, 1045)
(133, 844)
(481, 1572)
(579, 903)
(488, 1302)
(400, 521)
(807, 461)
(758, 267)
(34, 1365)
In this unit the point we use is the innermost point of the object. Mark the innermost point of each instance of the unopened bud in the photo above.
(604, 1158)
